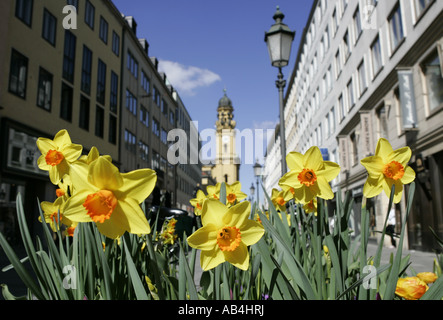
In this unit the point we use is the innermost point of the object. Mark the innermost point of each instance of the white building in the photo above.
(367, 69)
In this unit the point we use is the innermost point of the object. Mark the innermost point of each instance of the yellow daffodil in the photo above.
(234, 193)
(52, 211)
(197, 202)
(278, 199)
(111, 199)
(225, 234)
(309, 176)
(214, 191)
(411, 288)
(57, 155)
(386, 168)
(311, 206)
(428, 277)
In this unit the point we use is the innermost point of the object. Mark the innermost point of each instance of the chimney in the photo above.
(144, 44)
(132, 24)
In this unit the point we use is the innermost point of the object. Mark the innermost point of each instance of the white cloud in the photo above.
(187, 78)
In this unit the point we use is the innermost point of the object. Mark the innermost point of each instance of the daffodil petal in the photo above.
(72, 152)
(136, 219)
(62, 138)
(290, 179)
(78, 171)
(295, 161)
(330, 171)
(373, 164)
(212, 212)
(237, 214)
(402, 155)
(104, 175)
(305, 194)
(384, 150)
(138, 184)
(409, 175)
(74, 209)
(325, 191)
(313, 159)
(204, 238)
(372, 187)
(211, 259)
(111, 228)
(45, 144)
(251, 232)
(239, 257)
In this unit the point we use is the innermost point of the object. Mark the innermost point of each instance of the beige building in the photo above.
(55, 74)
(227, 163)
(370, 69)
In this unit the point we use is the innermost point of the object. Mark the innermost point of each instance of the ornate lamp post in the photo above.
(257, 173)
(252, 192)
(279, 41)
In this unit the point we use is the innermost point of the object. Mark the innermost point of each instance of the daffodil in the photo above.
(214, 191)
(52, 212)
(57, 155)
(411, 288)
(111, 199)
(197, 202)
(234, 193)
(386, 168)
(309, 176)
(311, 206)
(278, 199)
(225, 235)
(428, 277)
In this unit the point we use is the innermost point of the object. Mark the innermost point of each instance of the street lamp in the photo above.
(279, 41)
(252, 191)
(257, 174)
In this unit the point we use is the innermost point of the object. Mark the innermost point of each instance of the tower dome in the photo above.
(225, 101)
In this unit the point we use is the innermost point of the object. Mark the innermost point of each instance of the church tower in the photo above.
(227, 163)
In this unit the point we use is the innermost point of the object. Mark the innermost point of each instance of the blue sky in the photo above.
(206, 46)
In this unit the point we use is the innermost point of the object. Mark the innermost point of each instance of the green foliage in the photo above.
(299, 257)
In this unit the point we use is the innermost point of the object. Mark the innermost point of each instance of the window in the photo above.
(354, 145)
(421, 6)
(341, 106)
(376, 56)
(357, 25)
(18, 74)
(66, 102)
(338, 65)
(115, 43)
(44, 91)
(49, 27)
(332, 120)
(329, 79)
(143, 150)
(23, 11)
(130, 141)
(69, 56)
(103, 31)
(145, 83)
(144, 116)
(164, 107)
(132, 65)
(334, 22)
(396, 28)
(99, 121)
(164, 136)
(156, 95)
(131, 102)
(382, 122)
(73, 3)
(155, 160)
(350, 90)
(171, 117)
(101, 81)
(362, 84)
(84, 113)
(86, 70)
(89, 14)
(112, 129)
(346, 46)
(113, 100)
(434, 82)
(155, 127)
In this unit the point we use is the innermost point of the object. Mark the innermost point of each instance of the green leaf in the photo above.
(139, 289)
(435, 292)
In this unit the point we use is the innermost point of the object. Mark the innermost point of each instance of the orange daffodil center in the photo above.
(228, 238)
(100, 205)
(307, 177)
(394, 170)
(54, 157)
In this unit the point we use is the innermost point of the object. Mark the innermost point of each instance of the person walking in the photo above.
(390, 229)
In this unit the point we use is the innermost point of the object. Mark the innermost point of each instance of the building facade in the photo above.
(79, 65)
(366, 70)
